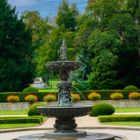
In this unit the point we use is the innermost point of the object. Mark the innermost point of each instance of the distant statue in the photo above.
(63, 51)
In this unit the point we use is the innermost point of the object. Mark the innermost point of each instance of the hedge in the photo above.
(105, 94)
(40, 95)
(19, 120)
(119, 118)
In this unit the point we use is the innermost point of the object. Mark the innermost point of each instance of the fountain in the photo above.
(65, 112)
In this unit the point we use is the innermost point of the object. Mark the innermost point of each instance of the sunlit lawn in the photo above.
(13, 112)
(125, 110)
(122, 123)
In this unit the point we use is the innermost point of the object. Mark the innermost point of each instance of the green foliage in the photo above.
(33, 111)
(40, 36)
(66, 16)
(50, 98)
(93, 96)
(119, 118)
(107, 37)
(31, 98)
(22, 95)
(130, 87)
(75, 97)
(116, 96)
(12, 98)
(18, 120)
(134, 95)
(30, 89)
(80, 86)
(16, 66)
(102, 109)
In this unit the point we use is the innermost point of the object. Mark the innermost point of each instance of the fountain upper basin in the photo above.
(65, 111)
(63, 65)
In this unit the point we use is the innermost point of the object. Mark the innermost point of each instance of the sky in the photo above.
(45, 7)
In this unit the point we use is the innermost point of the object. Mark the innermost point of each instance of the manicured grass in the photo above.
(6, 126)
(125, 110)
(122, 123)
(13, 112)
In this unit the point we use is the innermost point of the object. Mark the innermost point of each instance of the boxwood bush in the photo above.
(119, 118)
(33, 111)
(130, 87)
(18, 120)
(102, 109)
(40, 95)
(30, 89)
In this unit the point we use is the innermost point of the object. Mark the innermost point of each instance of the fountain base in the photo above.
(78, 135)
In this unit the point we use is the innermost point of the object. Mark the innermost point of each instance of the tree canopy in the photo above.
(16, 67)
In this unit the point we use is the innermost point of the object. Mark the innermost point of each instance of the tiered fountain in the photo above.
(65, 112)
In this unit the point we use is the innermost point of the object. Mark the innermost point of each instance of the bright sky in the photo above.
(45, 7)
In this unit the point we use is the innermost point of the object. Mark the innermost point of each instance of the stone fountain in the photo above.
(65, 111)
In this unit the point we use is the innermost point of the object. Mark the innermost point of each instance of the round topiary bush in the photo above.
(50, 98)
(134, 95)
(75, 97)
(12, 98)
(30, 89)
(31, 98)
(116, 96)
(33, 111)
(130, 87)
(94, 96)
(102, 109)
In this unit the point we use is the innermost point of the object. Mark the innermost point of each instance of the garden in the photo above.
(104, 106)
(105, 40)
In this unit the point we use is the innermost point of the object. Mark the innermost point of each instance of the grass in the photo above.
(123, 123)
(126, 110)
(13, 112)
(7, 126)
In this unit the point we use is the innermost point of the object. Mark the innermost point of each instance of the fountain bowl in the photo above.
(65, 111)
(63, 65)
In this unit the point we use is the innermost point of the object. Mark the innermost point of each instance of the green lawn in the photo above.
(13, 112)
(6, 126)
(122, 123)
(119, 110)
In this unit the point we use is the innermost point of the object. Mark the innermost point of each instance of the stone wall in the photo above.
(25, 105)
(123, 103)
(14, 106)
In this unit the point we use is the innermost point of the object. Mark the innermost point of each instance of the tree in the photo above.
(66, 16)
(16, 67)
(41, 30)
(111, 38)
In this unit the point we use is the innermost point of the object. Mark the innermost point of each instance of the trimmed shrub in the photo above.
(130, 87)
(116, 96)
(50, 98)
(33, 111)
(75, 97)
(12, 98)
(119, 118)
(134, 95)
(93, 96)
(30, 89)
(31, 98)
(102, 109)
(18, 120)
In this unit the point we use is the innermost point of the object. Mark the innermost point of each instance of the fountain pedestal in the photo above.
(65, 124)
